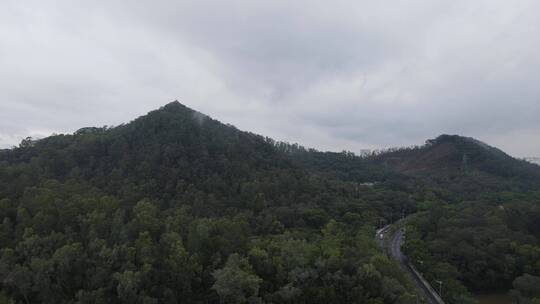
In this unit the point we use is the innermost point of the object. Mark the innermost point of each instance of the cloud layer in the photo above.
(339, 75)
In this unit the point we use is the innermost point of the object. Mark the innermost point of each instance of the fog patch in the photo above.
(199, 117)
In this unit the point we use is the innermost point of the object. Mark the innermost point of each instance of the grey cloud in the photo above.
(339, 75)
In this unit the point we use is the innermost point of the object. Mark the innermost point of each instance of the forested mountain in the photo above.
(463, 167)
(478, 225)
(480, 221)
(177, 207)
(453, 154)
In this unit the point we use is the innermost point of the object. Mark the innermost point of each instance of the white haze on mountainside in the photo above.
(534, 160)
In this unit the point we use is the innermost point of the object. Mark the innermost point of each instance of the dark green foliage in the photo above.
(463, 166)
(485, 244)
(177, 207)
(174, 205)
(478, 229)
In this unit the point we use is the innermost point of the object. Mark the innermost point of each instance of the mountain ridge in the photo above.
(454, 154)
(166, 208)
(450, 154)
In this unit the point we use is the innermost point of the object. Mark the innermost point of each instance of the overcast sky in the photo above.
(333, 75)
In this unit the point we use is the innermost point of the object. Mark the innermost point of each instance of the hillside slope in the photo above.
(177, 207)
(157, 151)
(452, 153)
(462, 164)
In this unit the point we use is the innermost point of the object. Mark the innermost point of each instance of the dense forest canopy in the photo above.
(177, 207)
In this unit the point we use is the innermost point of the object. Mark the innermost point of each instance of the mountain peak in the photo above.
(455, 154)
(174, 107)
(456, 139)
(467, 146)
(174, 114)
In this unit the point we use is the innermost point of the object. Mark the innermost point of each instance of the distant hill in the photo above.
(452, 154)
(463, 165)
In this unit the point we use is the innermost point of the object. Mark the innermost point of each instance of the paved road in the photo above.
(394, 249)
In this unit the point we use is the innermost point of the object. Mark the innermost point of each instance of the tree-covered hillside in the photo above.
(176, 207)
(479, 210)
(451, 154)
(463, 167)
(479, 222)
(487, 244)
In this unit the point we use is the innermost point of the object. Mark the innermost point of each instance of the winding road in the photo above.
(393, 248)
